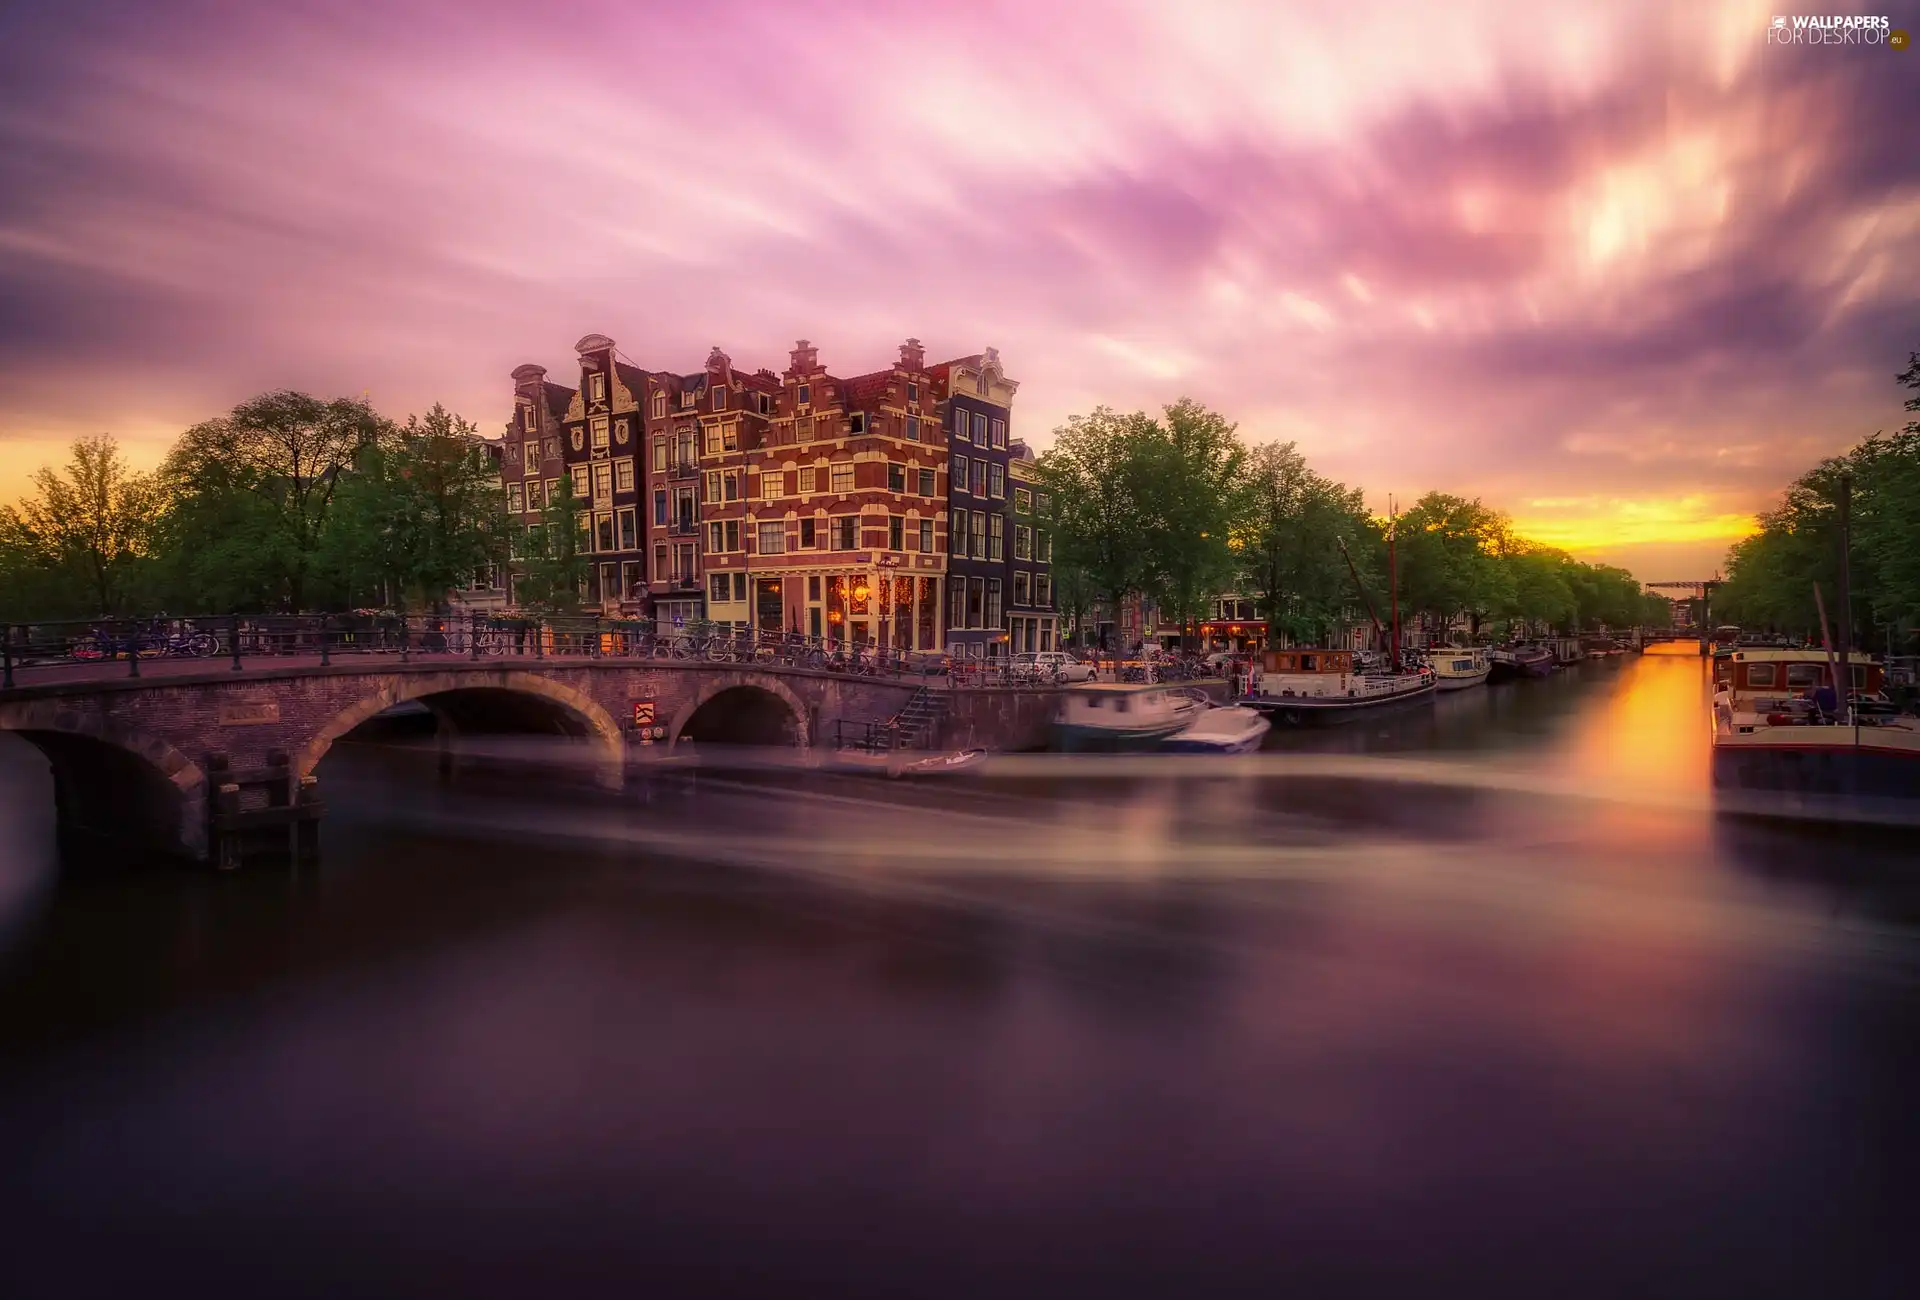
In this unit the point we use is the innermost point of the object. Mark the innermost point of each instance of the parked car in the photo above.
(1051, 665)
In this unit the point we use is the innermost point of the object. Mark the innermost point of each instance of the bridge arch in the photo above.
(443, 692)
(114, 779)
(743, 708)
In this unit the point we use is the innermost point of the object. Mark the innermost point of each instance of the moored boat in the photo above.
(1303, 688)
(1106, 717)
(1232, 730)
(1787, 743)
(1455, 669)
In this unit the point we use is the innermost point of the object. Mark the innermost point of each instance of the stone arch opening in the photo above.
(114, 792)
(466, 712)
(743, 714)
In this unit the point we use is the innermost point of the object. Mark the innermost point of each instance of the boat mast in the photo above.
(1393, 577)
(1361, 587)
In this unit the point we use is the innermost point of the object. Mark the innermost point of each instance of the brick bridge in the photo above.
(130, 755)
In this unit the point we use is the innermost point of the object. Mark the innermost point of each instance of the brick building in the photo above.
(977, 402)
(1031, 622)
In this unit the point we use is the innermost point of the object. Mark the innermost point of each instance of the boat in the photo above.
(1533, 661)
(906, 762)
(1455, 669)
(1302, 688)
(1231, 730)
(1105, 717)
(1784, 744)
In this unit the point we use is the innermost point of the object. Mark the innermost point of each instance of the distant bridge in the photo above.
(132, 757)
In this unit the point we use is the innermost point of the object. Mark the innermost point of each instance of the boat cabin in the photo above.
(1788, 672)
(1106, 704)
(1307, 661)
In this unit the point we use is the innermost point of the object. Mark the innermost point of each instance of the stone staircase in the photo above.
(915, 726)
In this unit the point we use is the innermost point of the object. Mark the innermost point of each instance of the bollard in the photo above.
(233, 639)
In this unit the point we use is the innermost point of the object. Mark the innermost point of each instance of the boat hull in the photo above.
(1823, 768)
(1333, 711)
(1463, 681)
(1069, 738)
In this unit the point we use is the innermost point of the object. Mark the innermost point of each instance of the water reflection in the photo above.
(1480, 1001)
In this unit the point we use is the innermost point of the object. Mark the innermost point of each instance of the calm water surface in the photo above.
(1479, 1001)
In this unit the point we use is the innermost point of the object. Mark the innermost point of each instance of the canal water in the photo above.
(1484, 1000)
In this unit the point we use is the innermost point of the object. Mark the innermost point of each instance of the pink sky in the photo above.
(1618, 268)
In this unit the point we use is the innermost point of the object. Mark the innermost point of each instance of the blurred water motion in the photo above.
(1487, 1001)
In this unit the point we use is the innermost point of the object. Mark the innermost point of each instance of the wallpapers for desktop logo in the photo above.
(1836, 29)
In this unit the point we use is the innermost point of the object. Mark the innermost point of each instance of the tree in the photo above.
(90, 526)
(250, 494)
(1193, 492)
(1447, 561)
(422, 509)
(554, 563)
(1098, 473)
(1289, 544)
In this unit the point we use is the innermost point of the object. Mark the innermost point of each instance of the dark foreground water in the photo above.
(1499, 1008)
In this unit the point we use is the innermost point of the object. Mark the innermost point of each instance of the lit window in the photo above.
(773, 484)
(580, 486)
(597, 386)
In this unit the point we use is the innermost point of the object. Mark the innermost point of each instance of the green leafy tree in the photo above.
(79, 542)
(1099, 475)
(1289, 542)
(1192, 489)
(553, 561)
(249, 495)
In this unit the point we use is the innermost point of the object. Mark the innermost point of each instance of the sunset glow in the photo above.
(1619, 268)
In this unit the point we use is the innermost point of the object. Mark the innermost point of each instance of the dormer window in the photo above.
(719, 399)
(981, 384)
(686, 401)
(804, 395)
(597, 387)
(857, 422)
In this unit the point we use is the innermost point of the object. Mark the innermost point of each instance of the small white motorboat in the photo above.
(1231, 730)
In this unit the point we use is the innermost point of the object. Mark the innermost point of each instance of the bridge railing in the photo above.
(28, 651)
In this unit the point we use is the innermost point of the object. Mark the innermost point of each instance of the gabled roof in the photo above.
(559, 398)
(862, 390)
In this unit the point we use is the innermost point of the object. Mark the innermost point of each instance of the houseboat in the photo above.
(1304, 688)
(1785, 742)
(1105, 717)
(1455, 669)
(1519, 661)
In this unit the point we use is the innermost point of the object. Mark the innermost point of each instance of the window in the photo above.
(959, 424)
(603, 532)
(846, 532)
(1761, 675)
(720, 399)
(1042, 546)
(896, 477)
(660, 507)
(857, 422)
(623, 475)
(683, 506)
(1802, 675)
(730, 484)
(808, 540)
(926, 536)
(580, 485)
(979, 488)
(659, 406)
(976, 602)
(1022, 587)
(1000, 434)
(1022, 543)
(659, 455)
(978, 525)
(957, 533)
(533, 419)
(1043, 502)
(629, 538)
(739, 586)
(993, 603)
(660, 562)
(602, 484)
(686, 400)
(979, 429)
(957, 476)
(533, 459)
(553, 490)
(926, 482)
(1042, 590)
(719, 588)
(599, 427)
(583, 526)
(913, 393)
(630, 580)
(683, 445)
(913, 428)
(803, 429)
(772, 539)
(806, 480)
(804, 394)
(842, 478)
(683, 560)
(710, 486)
(516, 498)
(896, 533)
(1023, 501)
(956, 602)
(597, 387)
(997, 533)
(716, 539)
(997, 481)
